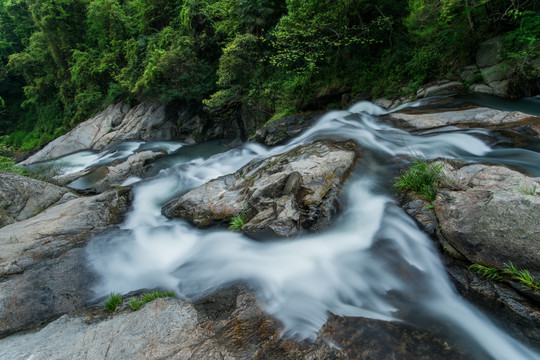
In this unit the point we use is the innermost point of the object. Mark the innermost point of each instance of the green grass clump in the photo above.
(528, 190)
(112, 302)
(237, 222)
(8, 164)
(136, 303)
(420, 177)
(523, 276)
(490, 272)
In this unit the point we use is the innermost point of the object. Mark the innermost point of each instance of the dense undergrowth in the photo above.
(61, 61)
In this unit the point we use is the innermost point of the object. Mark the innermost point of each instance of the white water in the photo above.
(374, 263)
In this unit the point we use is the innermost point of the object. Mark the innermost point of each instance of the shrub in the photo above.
(8, 164)
(112, 302)
(420, 177)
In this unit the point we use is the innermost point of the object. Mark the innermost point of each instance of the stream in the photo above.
(373, 263)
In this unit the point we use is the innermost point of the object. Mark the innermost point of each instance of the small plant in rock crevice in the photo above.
(420, 177)
(237, 222)
(528, 190)
(136, 303)
(112, 302)
(510, 270)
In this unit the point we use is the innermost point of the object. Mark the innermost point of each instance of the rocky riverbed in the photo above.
(483, 214)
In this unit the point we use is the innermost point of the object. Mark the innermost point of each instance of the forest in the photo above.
(61, 61)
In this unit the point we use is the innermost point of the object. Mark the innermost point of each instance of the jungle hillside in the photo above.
(61, 61)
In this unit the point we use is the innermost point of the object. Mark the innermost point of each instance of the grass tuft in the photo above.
(420, 177)
(528, 190)
(112, 302)
(523, 276)
(136, 303)
(490, 272)
(237, 222)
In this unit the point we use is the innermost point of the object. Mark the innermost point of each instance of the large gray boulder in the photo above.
(494, 218)
(22, 197)
(283, 194)
(228, 325)
(42, 264)
(281, 130)
(476, 117)
(119, 122)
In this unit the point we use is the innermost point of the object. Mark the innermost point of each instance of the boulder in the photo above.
(135, 165)
(439, 88)
(281, 130)
(227, 325)
(489, 52)
(494, 219)
(146, 121)
(42, 264)
(476, 117)
(22, 197)
(283, 194)
(469, 74)
(493, 73)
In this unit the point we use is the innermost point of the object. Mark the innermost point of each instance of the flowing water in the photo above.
(374, 262)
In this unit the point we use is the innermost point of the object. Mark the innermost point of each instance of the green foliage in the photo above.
(528, 189)
(237, 222)
(136, 303)
(8, 164)
(420, 177)
(523, 276)
(490, 272)
(112, 302)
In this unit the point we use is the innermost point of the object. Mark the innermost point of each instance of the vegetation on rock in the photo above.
(136, 302)
(112, 302)
(420, 177)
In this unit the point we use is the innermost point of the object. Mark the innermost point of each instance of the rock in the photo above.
(493, 73)
(443, 87)
(135, 165)
(469, 74)
(280, 131)
(283, 194)
(22, 197)
(494, 219)
(477, 117)
(146, 121)
(489, 52)
(481, 89)
(42, 265)
(226, 325)
(500, 88)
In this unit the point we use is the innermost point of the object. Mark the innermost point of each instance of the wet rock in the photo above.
(167, 328)
(283, 194)
(237, 328)
(22, 197)
(42, 265)
(146, 121)
(280, 131)
(135, 165)
(477, 117)
(493, 220)
(361, 338)
(439, 88)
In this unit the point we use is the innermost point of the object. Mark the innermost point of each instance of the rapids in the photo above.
(374, 262)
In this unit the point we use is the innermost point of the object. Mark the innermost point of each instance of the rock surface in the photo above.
(146, 121)
(215, 329)
(494, 219)
(280, 131)
(135, 165)
(476, 117)
(42, 264)
(488, 217)
(283, 194)
(22, 197)
(440, 88)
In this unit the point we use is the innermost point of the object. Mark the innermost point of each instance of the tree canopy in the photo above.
(63, 60)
